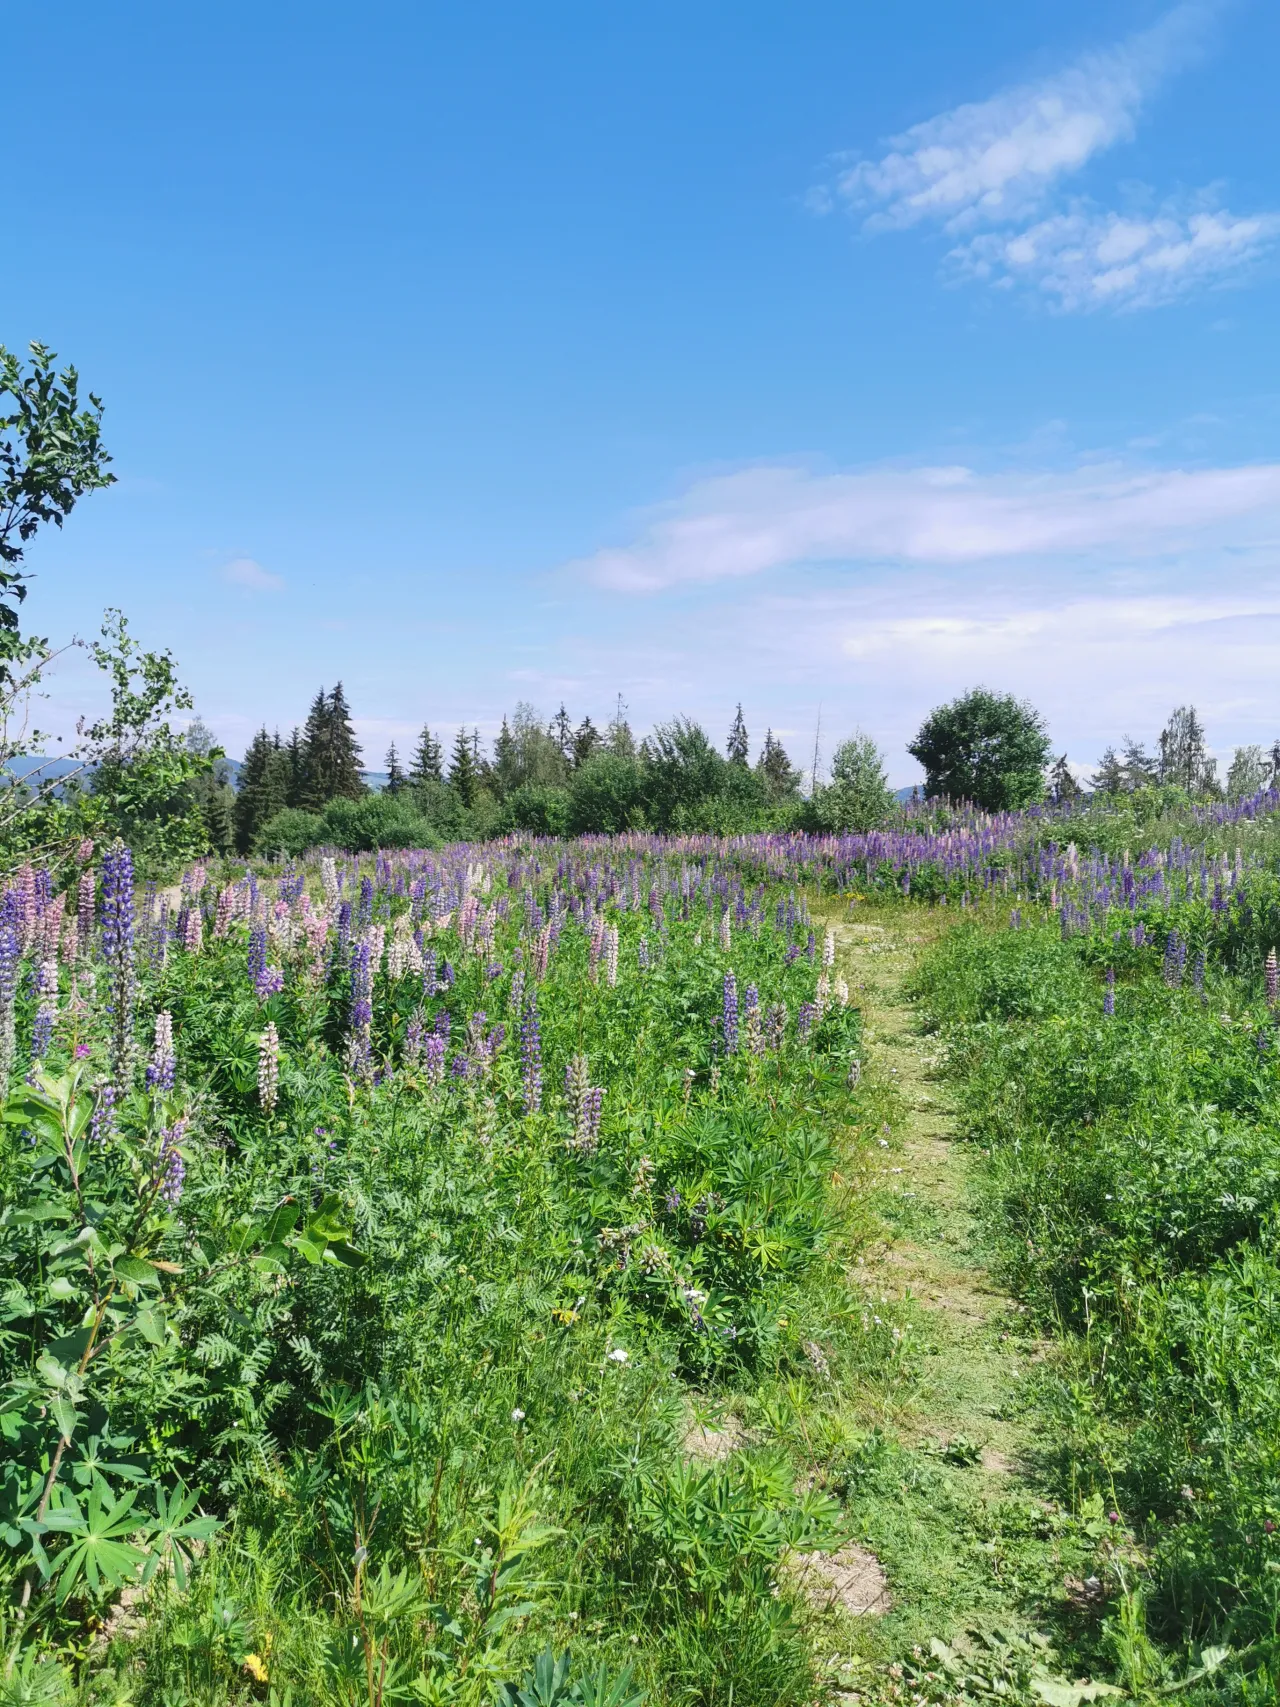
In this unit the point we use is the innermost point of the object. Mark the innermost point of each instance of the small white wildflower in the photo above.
(618, 1355)
(517, 1416)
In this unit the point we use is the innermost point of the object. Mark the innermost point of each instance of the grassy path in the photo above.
(950, 1502)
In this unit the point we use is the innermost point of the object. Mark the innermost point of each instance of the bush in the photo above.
(376, 821)
(541, 810)
(290, 832)
(858, 797)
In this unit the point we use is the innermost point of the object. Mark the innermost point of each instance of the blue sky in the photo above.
(812, 355)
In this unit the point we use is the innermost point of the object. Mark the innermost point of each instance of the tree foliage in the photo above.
(51, 454)
(990, 748)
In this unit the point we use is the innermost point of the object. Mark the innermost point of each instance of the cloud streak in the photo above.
(997, 160)
(244, 572)
(1087, 260)
(769, 518)
(989, 172)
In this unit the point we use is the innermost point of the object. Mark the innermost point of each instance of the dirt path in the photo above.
(953, 1509)
(930, 1254)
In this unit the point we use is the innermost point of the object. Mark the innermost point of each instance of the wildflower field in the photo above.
(434, 1276)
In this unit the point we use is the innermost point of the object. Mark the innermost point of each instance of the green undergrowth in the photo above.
(1127, 1177)
(429, 1360)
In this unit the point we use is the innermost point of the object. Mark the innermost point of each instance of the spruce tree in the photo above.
(1109, 778)
(738, 747)
(780, 777)
(462, 769)
(1137, 767)
(1062, 784)
(348, 784)
(396, 778)
(504, 759)
(330, 754)
(297, 769)
(586, 740)
(263, 789)
(1184, 753)
(618, 737)
(562, 734)
(427, 760)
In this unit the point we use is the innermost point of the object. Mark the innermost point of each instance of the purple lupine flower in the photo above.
(729, 1016)
(642, 954)
(1272, 978)
(776, 1025)
(359, 1042)
(41, 1032)
(433, 1048)
(460, 1067)
(117, 951)
(793, 954)
(342, 939)
(170, 1168)
(257, 954)
(589, 1137)
(86, 902)
(1109, 997)
(429, 985)
(268, 1068)
(162, 1065)
(104, 1112)
(752, 1029)
(447, 976)
(413, 1040)
(444, 1024)
(531, 1056)
(1175, 959)
(1197, 973)
(364, 917)
(10, 957)
(805, 1017)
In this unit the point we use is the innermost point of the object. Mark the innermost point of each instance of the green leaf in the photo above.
(138, 1271)
(65, 1415)
(280, 1223)
(151, 1324)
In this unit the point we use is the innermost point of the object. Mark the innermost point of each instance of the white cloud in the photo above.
(990, 171)
(244, 572)
(996, 160)
(768, 518)
(1086, 259)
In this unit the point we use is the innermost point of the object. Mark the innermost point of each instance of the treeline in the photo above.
(542, 777)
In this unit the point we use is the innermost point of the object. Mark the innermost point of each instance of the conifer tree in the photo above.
(586, 740)
(263, 789)
(297, 769)
(396, 778)
(462, 768)
(618, 737)
(562, 734)
(1184, 753)
(780, 776)
(1109, 778)
(427, 765)
(1062, 784)
(738, 747)
(1137, 767)
(331, 755)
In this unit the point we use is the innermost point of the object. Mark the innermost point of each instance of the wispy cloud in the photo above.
(767, 518)
(244, 572)
(996, 160)
(990, 171)
(1086, 260)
